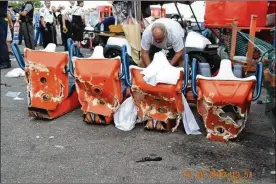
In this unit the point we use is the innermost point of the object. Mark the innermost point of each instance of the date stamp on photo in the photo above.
(217, 174)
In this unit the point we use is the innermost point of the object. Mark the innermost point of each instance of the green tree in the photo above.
(18, 4)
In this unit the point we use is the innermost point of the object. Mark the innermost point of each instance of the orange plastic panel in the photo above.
(99, 86)
(223, 13)
(216, 98)
(67, 105)
(160, 102)
(47, 84)
(46, 78)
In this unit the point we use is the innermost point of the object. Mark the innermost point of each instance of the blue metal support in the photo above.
(125, 63)
(18, 55)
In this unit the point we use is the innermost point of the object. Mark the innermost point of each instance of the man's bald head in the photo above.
(72, 3)
(159, 32)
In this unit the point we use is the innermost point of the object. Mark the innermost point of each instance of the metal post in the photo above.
(195, 17)
(186, 32)
(234, 39)
(252, 32)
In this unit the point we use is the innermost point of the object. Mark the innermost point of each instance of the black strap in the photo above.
(186, 32)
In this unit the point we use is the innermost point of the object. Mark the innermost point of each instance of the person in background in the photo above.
(47, 23)
(59, 24)
(5, 61)
(59, 19)
(9, 35)
(26, 16)
(66, 23)
(78, 24)
(106, 23)
(54, 11)
(164, 33)
(38, 34)
(20, 32)
(13, 18)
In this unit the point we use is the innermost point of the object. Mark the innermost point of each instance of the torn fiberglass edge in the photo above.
(48, 84)
(157, 105)
(100, 87)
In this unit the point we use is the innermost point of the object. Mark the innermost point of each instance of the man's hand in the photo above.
(145, 57)
(23, 13)
(177, 58)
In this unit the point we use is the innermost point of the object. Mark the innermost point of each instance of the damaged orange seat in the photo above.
(99, 86)
(224, 100)
(50, 91)
(161, 102)
(161, 105)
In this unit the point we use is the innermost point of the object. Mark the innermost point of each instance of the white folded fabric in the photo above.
(161, 71)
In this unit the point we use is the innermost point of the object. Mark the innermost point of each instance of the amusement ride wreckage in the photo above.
(59, 82)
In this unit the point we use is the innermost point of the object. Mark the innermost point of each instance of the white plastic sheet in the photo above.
(189, 122)
(17, 72)
(125, 117)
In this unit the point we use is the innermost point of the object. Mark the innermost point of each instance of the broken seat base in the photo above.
(92, 118)
(155, 125)
(67, 105)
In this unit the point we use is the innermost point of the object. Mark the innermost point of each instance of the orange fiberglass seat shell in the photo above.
(160, 102)
(223, 13)
(214, 96)
(221, 92)
(47, 78)
(224, 101)
(98, 84)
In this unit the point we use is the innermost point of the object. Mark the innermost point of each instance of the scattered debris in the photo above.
(18, 98)
(37, 137)
(6, 85)
(149, 159)
(13, 94)
(58, 146)
(273, 172)
(51, 137)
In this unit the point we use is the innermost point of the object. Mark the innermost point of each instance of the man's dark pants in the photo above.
(67, 35)
(4, 55)
(28, 31)
(47, 35)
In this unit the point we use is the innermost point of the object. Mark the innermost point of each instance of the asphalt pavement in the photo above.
(67, 150)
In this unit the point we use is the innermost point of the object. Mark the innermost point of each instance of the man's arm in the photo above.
(178, 47)
(28, 8)
(9, 19)
(145, 58)
(63, 21)
(177, 57)
(41, 13)
(63, 14)
(145, 46)
(42, 22)
(83, 16)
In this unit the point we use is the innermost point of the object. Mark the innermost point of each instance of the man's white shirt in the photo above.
(47, 15)
(67, 12)
(78, 11)
(174, 38)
